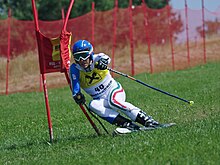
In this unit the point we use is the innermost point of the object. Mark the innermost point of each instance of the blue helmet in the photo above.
(82, 49)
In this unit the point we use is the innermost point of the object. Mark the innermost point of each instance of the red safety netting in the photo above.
(137, 38)
(4, 37)
(22, 37)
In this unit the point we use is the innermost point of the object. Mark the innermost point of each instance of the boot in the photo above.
(125, 123)
(146, 120)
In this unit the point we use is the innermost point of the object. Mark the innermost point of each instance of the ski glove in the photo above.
(79, 98)
(102, 64)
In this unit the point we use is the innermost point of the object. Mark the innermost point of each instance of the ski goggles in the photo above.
(83, 55)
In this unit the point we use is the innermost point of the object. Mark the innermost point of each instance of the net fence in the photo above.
(137, 38)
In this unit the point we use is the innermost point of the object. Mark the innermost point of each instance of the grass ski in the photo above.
(121, 131)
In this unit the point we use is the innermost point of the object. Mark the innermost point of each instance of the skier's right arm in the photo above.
(75, 85)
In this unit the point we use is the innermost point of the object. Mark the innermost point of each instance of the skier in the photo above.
(90, 72)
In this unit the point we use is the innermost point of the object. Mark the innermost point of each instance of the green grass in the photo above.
(195, 139)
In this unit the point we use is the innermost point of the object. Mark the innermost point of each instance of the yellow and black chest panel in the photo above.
(89, 79)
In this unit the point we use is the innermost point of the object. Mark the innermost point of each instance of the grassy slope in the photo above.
(195, 140)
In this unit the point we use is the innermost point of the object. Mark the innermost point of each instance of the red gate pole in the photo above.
(93, 24)
(47, 107)
(43, 75)
(8, 51)
(187, 32)
(203, 31)
(170, 33)
(131, 38)
(68, 13)
(147, 34)
(114, 33)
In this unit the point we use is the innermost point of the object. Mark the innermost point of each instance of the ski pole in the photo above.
(159, 90)
(96, 119)
(90, 120)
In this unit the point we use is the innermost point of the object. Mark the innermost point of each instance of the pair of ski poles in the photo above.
(138, 81)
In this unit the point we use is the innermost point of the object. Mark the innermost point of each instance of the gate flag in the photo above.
(50, 56)
(49, 53)
(54, 53)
